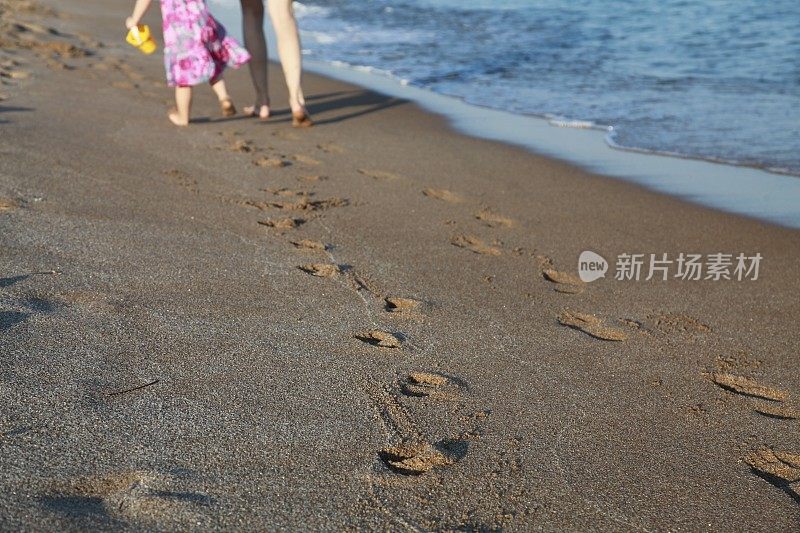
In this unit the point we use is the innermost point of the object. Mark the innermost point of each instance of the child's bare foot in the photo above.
(228, 109)
(176, 118)
(262, 114)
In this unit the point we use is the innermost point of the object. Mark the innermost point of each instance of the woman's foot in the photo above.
(177, 119)
(301, 118)
(227, 107)
(262, 113)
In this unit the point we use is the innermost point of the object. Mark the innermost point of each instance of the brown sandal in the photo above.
(227, 107)
(301, 120)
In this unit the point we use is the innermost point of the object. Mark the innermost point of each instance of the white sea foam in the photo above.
(302, 10)
(561, 122)
(578, 124)
(320, 37)
(370, 70)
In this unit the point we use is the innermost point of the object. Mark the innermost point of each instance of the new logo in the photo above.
(591, 266)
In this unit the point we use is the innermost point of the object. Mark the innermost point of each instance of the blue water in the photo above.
(709, 79)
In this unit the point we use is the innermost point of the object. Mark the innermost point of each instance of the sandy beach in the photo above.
(372, 324)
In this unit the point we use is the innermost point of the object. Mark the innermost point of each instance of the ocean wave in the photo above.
(370, 70)
(353, 36)
(576, 124)
(300, 10)
(304, 10)
(319, 37)
(711, 94)
(611, 142)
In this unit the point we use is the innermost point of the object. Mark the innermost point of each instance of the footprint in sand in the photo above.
(331, 148)
(18, 74)
(494, 220)
(303, 204)
(309, 244)
(89, 41)
(429, 384)
(7, 204)
(321, 270)
(780, 468)
(285, 192)
(740, 360)
(129, 495)
(271, 162)
(676, 324)
(417, 458)
(305, 160)
(748, 387)
(360, 284)
(402, 305)
(779, 411)
(381, 175)
(312, 178)
(474, 244)
(784, 465)
(591, 325)
(282, 223)
(383, 339)
(93, 301)
(242, 146)
(565, 282)
(53, 64)
(444, 195)
(183, 179)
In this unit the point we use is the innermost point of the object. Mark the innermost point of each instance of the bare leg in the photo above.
(183, 100)
(282, 14)
(225, 102)
(256, 44)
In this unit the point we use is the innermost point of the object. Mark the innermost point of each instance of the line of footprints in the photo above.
(781, 468)
(413, 454)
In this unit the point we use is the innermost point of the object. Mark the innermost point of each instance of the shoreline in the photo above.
(372, 324)
(759, 193)
(753, 192)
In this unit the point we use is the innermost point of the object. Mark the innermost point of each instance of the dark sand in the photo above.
(167, 363)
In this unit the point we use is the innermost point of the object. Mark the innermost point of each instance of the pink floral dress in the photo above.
(196, 46)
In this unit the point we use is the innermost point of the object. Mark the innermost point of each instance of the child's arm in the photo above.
(138, 12)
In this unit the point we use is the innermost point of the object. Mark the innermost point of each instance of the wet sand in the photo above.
(371, 324)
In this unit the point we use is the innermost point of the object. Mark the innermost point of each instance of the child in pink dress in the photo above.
(196, 50)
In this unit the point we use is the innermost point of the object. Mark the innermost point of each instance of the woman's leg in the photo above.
(282, 15)
(256, 44)
(183, 100)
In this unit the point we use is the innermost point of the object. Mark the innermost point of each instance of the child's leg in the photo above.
(220, 89)
(183, 100)
(225, 103)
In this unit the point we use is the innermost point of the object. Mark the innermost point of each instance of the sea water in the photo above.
(705, 78)
(709, 79)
